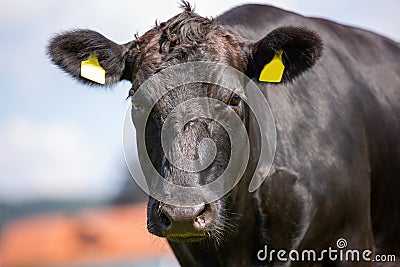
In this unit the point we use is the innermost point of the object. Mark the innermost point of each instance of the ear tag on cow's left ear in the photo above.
(91, 70)
(273, 71)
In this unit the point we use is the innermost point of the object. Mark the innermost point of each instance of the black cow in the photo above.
(336, 171)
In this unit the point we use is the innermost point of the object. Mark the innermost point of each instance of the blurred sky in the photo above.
(62, 140)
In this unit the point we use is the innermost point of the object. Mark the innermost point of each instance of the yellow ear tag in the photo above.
(91, 70)
(273, 71)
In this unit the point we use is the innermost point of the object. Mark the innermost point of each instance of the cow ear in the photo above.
(296, 48)
(104, 57)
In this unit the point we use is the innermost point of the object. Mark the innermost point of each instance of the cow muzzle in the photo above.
(184, 224)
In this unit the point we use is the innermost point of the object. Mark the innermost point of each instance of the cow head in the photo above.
(187, 37)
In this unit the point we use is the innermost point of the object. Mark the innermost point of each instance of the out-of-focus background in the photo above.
(66, 197)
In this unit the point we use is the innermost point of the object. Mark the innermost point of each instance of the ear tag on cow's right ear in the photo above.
(273, 71)
(91, 70)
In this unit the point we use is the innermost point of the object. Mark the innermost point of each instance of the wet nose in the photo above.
(184, 220)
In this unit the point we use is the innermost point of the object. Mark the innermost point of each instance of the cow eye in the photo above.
(235, 100)
(131, 93)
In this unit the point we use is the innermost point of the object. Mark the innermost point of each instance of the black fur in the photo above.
(301, 49)
(336, 169)
(68, 49)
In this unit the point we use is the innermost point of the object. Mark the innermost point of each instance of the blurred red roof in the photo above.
(85, 237)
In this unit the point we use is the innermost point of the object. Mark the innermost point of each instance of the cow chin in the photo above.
(183, 224)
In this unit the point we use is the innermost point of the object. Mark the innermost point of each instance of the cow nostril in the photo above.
(164, 220)
(205, 208)
(204, 217)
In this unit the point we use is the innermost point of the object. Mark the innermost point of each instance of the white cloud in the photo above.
(49, 161)
(20, 10)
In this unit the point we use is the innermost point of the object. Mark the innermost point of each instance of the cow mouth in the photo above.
(186, 238)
